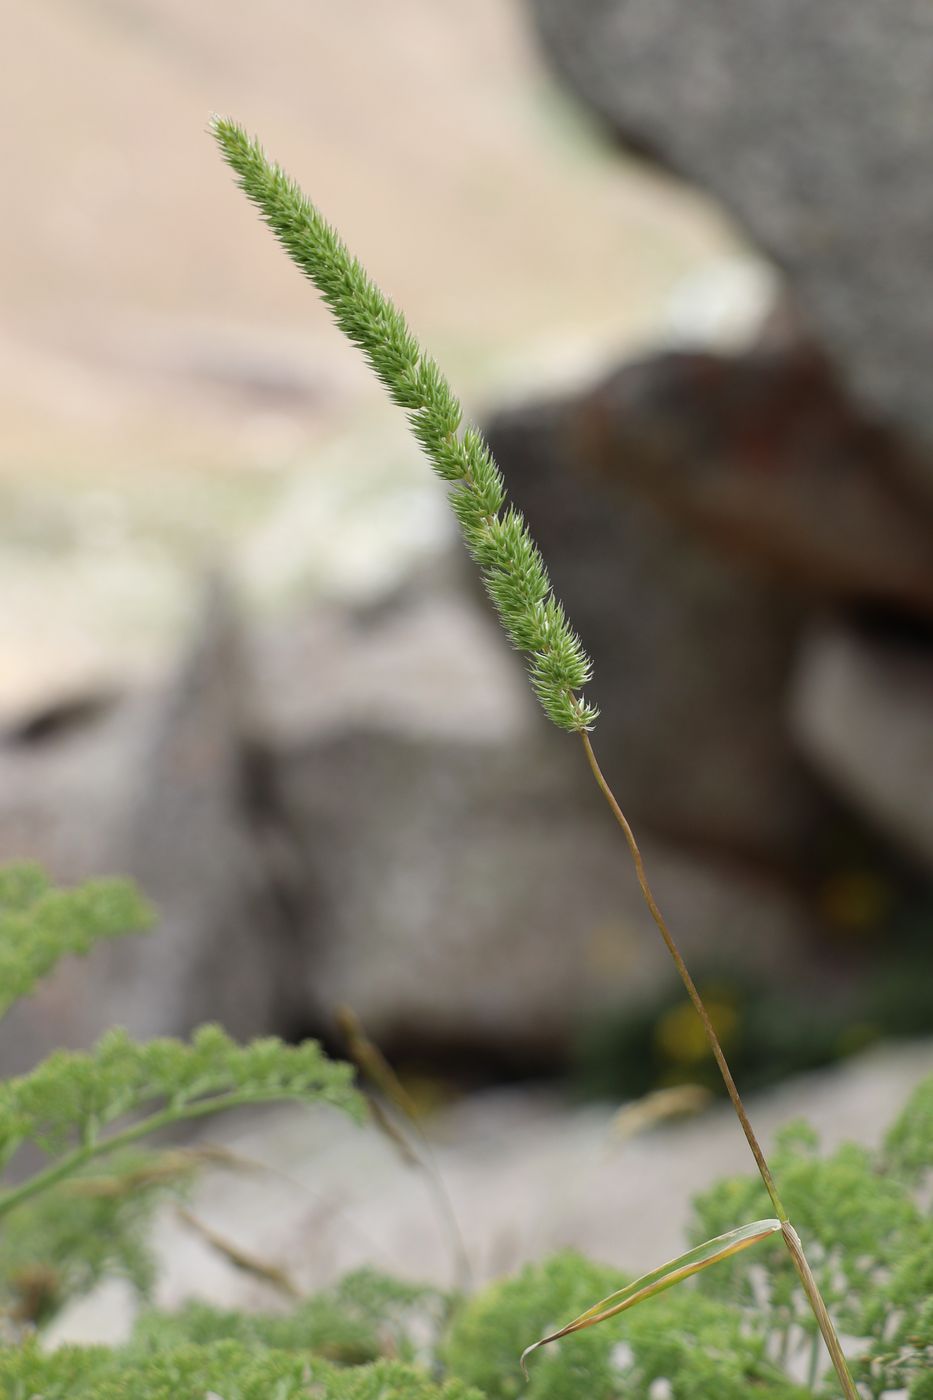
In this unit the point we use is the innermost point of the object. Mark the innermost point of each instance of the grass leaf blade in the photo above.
(702, 1256)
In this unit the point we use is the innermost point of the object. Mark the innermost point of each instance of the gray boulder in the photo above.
(763, 457)
(810, 124)
(863, 711)
(199, 834)
(171, 787)
(478, 894)
(312, 835)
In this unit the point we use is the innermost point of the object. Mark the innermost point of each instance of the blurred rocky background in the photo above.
(675, 253)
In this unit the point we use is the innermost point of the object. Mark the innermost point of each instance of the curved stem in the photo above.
(689, 984)
(791, 1238)
(72, 1161)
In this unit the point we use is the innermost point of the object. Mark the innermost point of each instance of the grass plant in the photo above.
(516, 579)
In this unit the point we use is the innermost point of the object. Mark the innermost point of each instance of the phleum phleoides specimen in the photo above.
(516, 580)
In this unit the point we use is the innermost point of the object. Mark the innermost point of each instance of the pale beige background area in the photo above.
(171, 394)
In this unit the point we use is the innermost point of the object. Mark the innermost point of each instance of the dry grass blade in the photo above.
(245, 1262)
(701, 1257)
(680, 1101)
(393, 1133)
(169, 1168)
(371, 1063)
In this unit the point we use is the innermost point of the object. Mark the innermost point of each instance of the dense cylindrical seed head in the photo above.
(513, 570)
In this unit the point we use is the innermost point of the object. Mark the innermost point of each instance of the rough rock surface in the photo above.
(763, 456)
(457, 889)
(206, 839)
(168, 788)
(370, 809)
(481, 895)
(863, 711)
(809, 123)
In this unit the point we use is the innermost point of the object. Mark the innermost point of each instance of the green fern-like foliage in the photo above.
(481, 1345)
(496, 534)
(701, 1347)
(62, 1228)
(60, 1245)
(40, 925)
(228, 1369)
(366, 1317)
(739, 1329)
(74, 1106)
(715, 1336)
(908, 1147)
(742, 1328)
(869, 1228)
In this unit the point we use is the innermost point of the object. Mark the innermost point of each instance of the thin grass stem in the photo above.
(790, 1236)
(501, 544)
(371, 1063)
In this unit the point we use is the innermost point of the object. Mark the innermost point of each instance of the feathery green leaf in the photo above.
(60, 1245)
(38, 925)
(71, 1106)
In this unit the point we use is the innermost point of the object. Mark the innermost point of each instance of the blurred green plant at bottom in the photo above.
(737, 1330)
